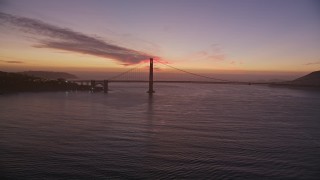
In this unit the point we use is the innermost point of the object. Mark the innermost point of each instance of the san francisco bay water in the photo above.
(184, 131)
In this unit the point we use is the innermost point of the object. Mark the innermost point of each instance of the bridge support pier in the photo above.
(105, 86)
(151, 91)
(93, 85)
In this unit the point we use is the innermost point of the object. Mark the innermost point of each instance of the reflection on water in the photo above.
(183, 131)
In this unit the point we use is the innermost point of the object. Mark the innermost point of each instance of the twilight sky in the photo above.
(208, 35)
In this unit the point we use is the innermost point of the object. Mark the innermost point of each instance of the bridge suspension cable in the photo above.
(194, 74)
(137, 72)
(126, 72)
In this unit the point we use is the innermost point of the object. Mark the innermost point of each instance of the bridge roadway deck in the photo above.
(193, 82)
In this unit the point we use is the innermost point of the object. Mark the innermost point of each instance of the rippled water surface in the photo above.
(184, 131)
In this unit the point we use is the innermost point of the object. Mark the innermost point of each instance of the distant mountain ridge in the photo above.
(50, 74)
(312, 79)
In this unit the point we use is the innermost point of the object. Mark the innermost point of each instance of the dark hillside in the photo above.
(17, 82)
(312, 79)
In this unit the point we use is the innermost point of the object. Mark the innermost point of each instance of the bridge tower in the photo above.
(105, 86)
(151, 91)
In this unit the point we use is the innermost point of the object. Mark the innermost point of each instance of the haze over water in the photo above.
(184, 131)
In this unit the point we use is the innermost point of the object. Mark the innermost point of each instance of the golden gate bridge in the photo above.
(146, 74)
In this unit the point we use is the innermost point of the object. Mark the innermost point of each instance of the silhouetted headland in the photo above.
(309, 80)
(19, 82)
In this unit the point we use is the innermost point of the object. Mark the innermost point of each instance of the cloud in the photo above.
(12, 62)
(216, 57)
(214, 53)
(313, 63)
(3, 3)
(55, 37)
(217, 53)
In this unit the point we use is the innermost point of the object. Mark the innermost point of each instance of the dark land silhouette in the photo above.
(309, 80)
(18, 82)
(312, 79)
